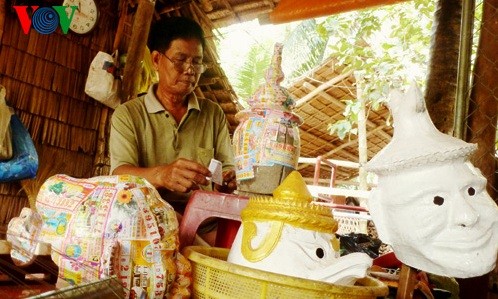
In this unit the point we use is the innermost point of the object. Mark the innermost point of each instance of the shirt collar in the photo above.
(153, 105)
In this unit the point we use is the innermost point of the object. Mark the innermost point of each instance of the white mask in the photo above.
(438, 219)
(431, 204)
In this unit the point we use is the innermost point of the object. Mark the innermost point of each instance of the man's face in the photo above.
(176, 66)
(440, 218)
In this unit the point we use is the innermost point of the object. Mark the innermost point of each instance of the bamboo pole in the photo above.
(464, 65)
(337, 149)
(101, 144)
(323, 87)
(206, 5)
(136, 49)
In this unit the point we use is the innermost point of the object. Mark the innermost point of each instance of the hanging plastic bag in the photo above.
(101, 83)
(5, 130)
(148, 75)
(24, 162)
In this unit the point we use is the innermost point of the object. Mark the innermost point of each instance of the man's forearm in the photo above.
(148, 173)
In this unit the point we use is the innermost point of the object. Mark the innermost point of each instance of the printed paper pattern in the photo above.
(113, 225)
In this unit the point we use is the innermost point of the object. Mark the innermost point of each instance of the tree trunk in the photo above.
(442, 75)
(483, 106)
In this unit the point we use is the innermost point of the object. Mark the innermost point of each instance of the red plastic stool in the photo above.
(207, 204)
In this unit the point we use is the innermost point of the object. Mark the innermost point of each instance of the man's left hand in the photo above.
(229, 182)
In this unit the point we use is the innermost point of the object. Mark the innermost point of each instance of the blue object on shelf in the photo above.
(24, 162)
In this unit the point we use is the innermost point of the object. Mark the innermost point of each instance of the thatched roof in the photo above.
(221, 13)
(321, 97)
(45, 76)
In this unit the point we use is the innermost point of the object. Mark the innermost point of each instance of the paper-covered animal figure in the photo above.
(104, 226)
(290, 235)
(431, 203)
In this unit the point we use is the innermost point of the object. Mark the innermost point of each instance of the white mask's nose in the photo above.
(462, 213)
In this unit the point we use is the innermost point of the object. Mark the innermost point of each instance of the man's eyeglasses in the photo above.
(182, 65)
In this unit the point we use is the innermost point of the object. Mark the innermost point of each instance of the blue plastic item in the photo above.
(24, 162)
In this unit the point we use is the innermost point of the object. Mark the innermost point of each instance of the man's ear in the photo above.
(155, 56)
(378, 215)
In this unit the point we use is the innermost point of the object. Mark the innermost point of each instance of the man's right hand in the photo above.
(181, 176)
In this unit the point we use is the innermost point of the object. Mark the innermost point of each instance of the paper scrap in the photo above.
(215, 167)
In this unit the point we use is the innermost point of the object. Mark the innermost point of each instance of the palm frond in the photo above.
(252, 73)
(306, 45)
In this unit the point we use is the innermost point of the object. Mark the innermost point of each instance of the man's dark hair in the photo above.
(164, 31)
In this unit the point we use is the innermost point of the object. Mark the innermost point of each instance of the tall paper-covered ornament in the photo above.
(266, 143)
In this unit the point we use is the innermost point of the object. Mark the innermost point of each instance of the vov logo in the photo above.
(44, 19)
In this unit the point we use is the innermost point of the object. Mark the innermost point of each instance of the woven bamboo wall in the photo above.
(45, 76)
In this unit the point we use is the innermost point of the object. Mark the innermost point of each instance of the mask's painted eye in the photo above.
(438, 200)
(320, 253)
(471, 191)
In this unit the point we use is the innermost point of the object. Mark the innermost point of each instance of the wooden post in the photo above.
(121, 25)
(99, 162)
(136, 49)
(407, 282)
(2, 17)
